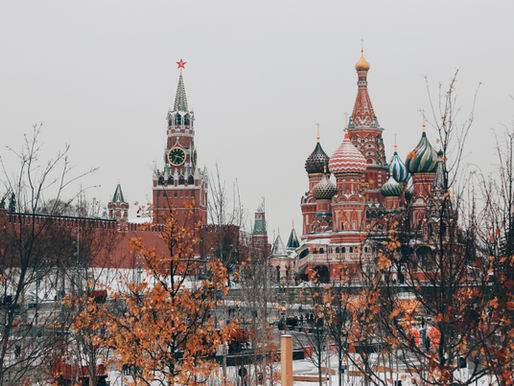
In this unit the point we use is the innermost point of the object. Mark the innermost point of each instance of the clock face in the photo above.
(176, 156)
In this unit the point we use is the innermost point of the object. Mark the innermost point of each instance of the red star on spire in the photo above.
(181, 63)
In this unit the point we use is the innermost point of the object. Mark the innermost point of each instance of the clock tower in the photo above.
(180, 185)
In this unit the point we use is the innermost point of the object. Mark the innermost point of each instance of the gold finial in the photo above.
(317, 130)
(325, 168)
(395, 142)
(362, 64)
(346, 130)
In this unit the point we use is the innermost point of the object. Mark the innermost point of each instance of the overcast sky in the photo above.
(101, 75)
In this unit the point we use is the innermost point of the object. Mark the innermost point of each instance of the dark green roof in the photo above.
(292, 242)
(118, 195)
(180, 96)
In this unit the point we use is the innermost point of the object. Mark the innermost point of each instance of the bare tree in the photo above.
(32, 245)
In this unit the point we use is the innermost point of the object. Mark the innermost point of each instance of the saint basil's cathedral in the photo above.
(338, 216)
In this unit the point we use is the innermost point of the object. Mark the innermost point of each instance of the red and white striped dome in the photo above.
(347, 158)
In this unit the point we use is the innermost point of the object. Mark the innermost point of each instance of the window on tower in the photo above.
(190, 180)
(181, 180)
(178, 119)
(170, 180)
(186, 120)
(161, 180)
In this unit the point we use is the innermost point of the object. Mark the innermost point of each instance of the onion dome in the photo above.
(324, 190)
(397, 168)
(423, 159)
(347, 158)
(362, 64)
(391, 188)
(316, 162)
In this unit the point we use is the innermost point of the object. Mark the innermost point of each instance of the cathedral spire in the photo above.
(363, 113)
(180, 96)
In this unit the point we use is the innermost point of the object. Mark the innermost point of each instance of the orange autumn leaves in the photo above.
(163, 327)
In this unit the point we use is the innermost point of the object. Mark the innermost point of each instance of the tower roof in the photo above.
(347, 158)
(325, 189)
(391, 188)
(363, 113)
(423, 159)
(362, 64)
(317, 160)
(180, 97)
(397, 168)
(292, 241)
(118, 194)
(278, 249)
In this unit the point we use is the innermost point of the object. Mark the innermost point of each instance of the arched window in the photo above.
(278, 273)
(190, 180)
(337, 249)
(181, 180)
(161, 180)
(178, 119)
(170, 180)
(321, 250)
(343, 250)
(186, 119)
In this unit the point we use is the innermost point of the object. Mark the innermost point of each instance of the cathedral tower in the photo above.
(180, 184)
(315, 166)
(366, 134)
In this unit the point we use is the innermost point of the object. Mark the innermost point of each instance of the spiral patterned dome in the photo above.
(317, 161)
(347, 158)
(423, 159)
(324, 190)
(391, 188)
(397, 168)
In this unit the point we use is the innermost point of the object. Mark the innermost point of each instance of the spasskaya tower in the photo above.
(181, 183)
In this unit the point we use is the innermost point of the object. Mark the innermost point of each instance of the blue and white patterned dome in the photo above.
(397, 168)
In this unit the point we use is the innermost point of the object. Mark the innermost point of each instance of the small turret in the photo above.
(118, 208)
(292, 241)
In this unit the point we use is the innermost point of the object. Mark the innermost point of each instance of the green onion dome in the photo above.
(324, 190)
(391, 188)
(397, 168)
(316, 162)
(423, 159)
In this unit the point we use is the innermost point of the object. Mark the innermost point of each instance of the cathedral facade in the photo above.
(354, 191)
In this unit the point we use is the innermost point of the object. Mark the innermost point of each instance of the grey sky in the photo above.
(101, 75)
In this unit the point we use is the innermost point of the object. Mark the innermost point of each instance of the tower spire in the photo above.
(180, 97)
(317, 131)
(363, 113)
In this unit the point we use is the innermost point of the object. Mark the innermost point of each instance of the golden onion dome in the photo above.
(362, 64)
